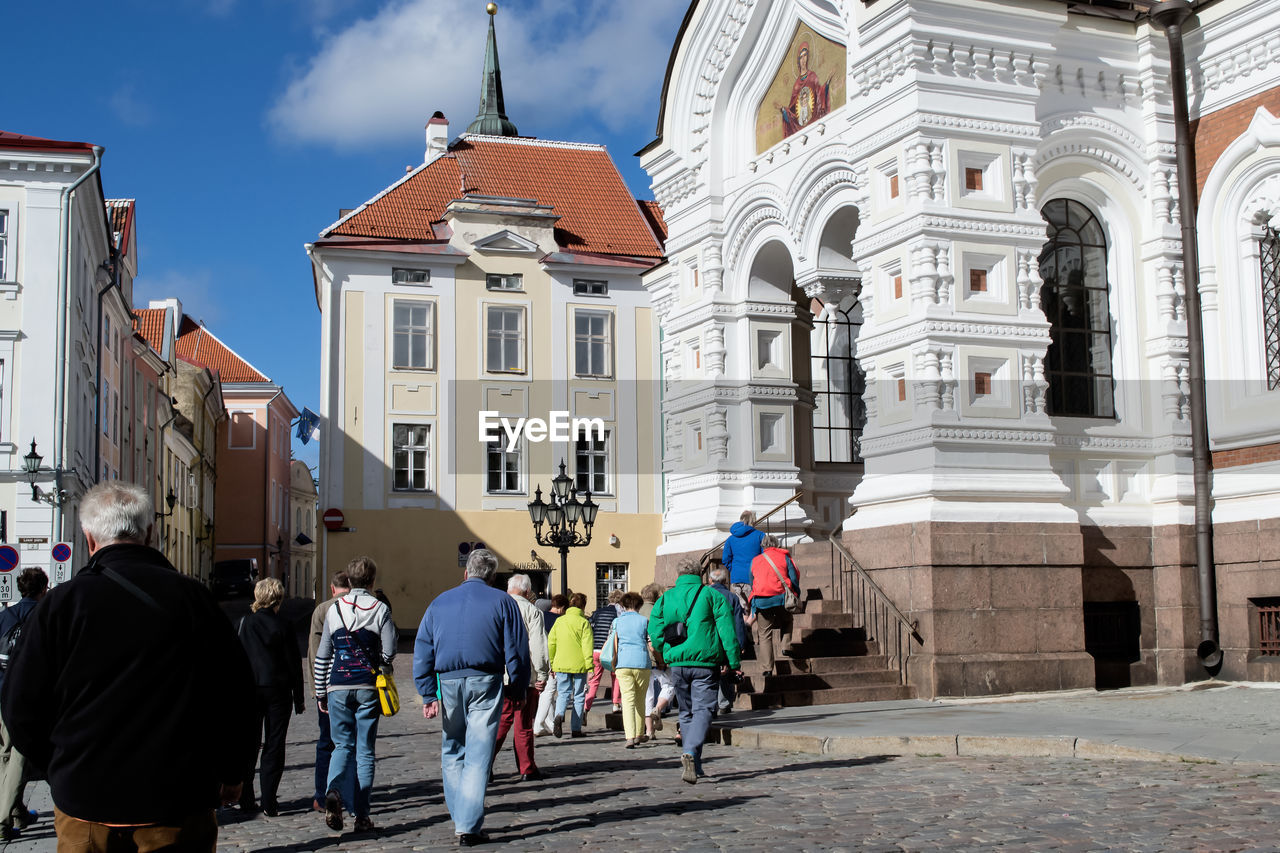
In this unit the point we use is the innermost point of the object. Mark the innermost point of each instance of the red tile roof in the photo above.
(578, 181)
(653, 213)
(120, 211)
(200, 347)
(19, 140)
(149, 322)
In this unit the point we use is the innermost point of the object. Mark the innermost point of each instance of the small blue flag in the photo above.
(308, 425)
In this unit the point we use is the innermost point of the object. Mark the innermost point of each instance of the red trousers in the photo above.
(521, 720)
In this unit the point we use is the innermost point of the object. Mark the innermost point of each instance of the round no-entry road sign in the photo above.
(61, 552)
(333, 518)
(8, 558)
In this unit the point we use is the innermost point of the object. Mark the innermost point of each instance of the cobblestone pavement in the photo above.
(597, 794)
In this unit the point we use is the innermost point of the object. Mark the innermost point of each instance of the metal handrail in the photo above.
(912, 627)
(706, 555)
(876, 613)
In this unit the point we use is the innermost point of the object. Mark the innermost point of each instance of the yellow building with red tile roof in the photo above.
(501, 276)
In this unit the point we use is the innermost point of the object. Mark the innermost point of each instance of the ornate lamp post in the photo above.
(562, 515)
(31, 467)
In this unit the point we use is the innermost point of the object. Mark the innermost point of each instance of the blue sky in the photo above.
(242, 126)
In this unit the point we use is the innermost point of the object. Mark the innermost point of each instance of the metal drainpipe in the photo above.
(1170, 15)
(97, 401)
(63, 326)
(266, 515)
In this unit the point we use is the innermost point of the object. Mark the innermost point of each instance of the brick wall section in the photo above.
(1246, 455)
(1211, 134)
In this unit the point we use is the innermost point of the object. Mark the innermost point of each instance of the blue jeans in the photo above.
(697, 688)
(353, 722)
(470, 708)
(571, 684)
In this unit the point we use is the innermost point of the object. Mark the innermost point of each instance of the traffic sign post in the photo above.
(60, 568)
(333, 520)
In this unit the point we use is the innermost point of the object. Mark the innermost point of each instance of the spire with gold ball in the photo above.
(492, 119)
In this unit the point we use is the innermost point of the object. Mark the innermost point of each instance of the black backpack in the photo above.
(9, 642)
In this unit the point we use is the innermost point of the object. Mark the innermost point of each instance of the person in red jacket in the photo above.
(770, 621)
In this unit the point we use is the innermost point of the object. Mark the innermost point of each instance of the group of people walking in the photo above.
(147, 708)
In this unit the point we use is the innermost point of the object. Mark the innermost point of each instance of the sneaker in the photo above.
(689, 772)
(363, 824)
(333, 810)
(22, 817)
(657, 721)
(557, 728)
(630, 744)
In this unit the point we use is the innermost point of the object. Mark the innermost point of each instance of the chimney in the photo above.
(437, 136)
(175, 305)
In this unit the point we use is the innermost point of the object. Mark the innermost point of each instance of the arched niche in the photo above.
(772, 274)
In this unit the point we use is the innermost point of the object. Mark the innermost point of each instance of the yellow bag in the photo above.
(388, 695)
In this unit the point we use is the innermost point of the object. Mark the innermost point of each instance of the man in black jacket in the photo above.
(132, 691)
(33, 583)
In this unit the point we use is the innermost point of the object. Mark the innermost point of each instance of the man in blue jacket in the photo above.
(470, 637)
(742, 546)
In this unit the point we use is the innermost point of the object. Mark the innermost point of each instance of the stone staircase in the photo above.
(831, 659)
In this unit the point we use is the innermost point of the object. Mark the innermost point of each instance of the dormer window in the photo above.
(408, 276)
(495, 281)
(590, 287)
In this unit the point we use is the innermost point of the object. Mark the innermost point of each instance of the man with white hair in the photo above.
(519, 716)
(132, 691)
(469, 638)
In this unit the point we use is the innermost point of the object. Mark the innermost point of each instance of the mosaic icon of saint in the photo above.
(810, 99)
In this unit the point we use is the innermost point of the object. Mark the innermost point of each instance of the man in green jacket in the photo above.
(695, 661)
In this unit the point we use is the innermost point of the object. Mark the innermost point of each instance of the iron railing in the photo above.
(874, 612)
(779, 530)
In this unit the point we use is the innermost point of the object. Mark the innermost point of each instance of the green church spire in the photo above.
(492, 119)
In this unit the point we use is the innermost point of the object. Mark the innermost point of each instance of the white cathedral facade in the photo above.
(925, 267)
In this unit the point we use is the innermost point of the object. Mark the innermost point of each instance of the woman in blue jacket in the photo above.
(630, 658)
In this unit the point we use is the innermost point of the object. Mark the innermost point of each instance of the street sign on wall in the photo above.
(60, 566)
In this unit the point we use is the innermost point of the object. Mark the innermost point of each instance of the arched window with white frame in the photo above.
(1076, 301)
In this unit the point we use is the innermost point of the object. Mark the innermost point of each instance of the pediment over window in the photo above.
(505, 241)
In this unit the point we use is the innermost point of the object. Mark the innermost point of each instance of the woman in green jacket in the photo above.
(570, 647)
(710, 641)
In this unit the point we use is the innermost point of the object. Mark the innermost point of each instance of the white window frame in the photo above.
(504, 282)
(509, 461)
(409, 330)
(504, 335)
(598, 455)
(590, 287)
(418, 457)
(591, 339)
(6, 257)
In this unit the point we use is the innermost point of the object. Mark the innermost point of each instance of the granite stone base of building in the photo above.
(1012, 607)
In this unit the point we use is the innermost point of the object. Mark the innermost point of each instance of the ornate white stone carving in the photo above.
(747, 227)
(1175, 388)
(717, 434)
(715, 350)
(713, 268)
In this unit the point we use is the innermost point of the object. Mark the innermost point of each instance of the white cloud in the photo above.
(129, 109)
(194, 288)
(590, 62)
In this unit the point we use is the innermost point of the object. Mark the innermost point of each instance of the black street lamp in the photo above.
(562, 515)
(170, 499)
(31, 467)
